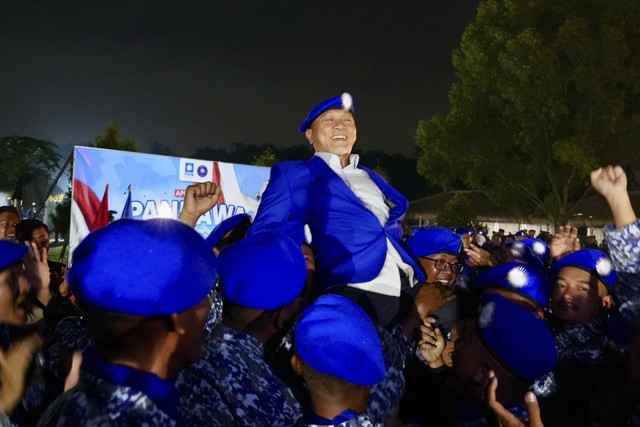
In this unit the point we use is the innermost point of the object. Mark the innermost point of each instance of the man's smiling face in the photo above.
(333, 131)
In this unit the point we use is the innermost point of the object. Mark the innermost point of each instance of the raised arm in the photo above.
(623, 238)
(198, 199)
(611, 183)
(564, 242)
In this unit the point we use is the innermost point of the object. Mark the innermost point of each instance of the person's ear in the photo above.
(296, 365)
(279, 318)
(172, 324)
(607, 301)
(282, 317)
(308, 133)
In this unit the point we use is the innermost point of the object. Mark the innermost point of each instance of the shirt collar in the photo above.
(334, 161)
(161, 391)
(342, 417)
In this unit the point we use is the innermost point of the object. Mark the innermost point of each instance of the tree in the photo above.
(266, 158)
(113, 140)
(61, 216)
(458, 213)
(547, 91)
(160, 148)
(23, 157)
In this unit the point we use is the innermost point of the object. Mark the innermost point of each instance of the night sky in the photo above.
(209, 73)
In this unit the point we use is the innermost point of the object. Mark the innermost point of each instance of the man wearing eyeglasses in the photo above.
(436, 250)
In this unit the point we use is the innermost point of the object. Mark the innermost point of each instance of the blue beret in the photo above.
(591, 260)
(532, 251)
(264, 271)
(522, 278)
(10, 253)
(480, 232)
(519, 339)
(429, 241)
(336, 337)
(221, 229)
(344, 101)
(145, 268)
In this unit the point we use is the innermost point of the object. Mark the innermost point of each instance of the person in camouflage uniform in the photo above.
(130, 279)
(261, 278)
(339, 368)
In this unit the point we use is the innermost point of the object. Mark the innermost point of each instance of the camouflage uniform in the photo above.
(347, 418)
(215, 314)
(385, 396)
(624, 245)
(46, 375)
(233, 366)
(115, 395)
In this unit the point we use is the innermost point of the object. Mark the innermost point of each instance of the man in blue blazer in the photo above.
(354, 216)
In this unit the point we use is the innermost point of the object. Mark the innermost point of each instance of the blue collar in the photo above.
(340, 418)
(162, 392)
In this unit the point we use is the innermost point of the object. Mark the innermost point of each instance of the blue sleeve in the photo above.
(276, 209)
(624, 245)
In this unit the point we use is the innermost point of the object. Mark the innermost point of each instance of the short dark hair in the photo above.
(11, 209)
(114, 331)
(239, 317)
(236, 234)
(26, 227)
(329, 383)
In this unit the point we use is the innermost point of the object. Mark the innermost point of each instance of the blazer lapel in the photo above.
(320, 169)
(398, 204)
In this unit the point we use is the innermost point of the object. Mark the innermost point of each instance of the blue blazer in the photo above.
(349, 244)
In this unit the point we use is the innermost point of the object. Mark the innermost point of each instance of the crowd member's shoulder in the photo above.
(288, 166)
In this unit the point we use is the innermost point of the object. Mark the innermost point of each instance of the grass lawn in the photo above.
(54, 253)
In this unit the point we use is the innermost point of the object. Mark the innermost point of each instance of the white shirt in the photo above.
(359, 181)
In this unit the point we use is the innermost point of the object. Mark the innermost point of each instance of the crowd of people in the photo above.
(321, 311)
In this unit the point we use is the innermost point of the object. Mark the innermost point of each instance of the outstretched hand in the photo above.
(13, 369)
(198, 199)
(479, 257)
(432, 343)
(564, 242)
(428, 299)
(36, 271)
(506, 418)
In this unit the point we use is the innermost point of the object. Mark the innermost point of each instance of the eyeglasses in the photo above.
(443, 265)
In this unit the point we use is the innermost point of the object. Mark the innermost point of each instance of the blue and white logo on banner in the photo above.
(192, 170)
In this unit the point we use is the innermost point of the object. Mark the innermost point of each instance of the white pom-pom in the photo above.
(604, 267)
(486, 314)
(308, 237)
(517, 277)
(517, 250)
(347, 101)
(539, 248)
